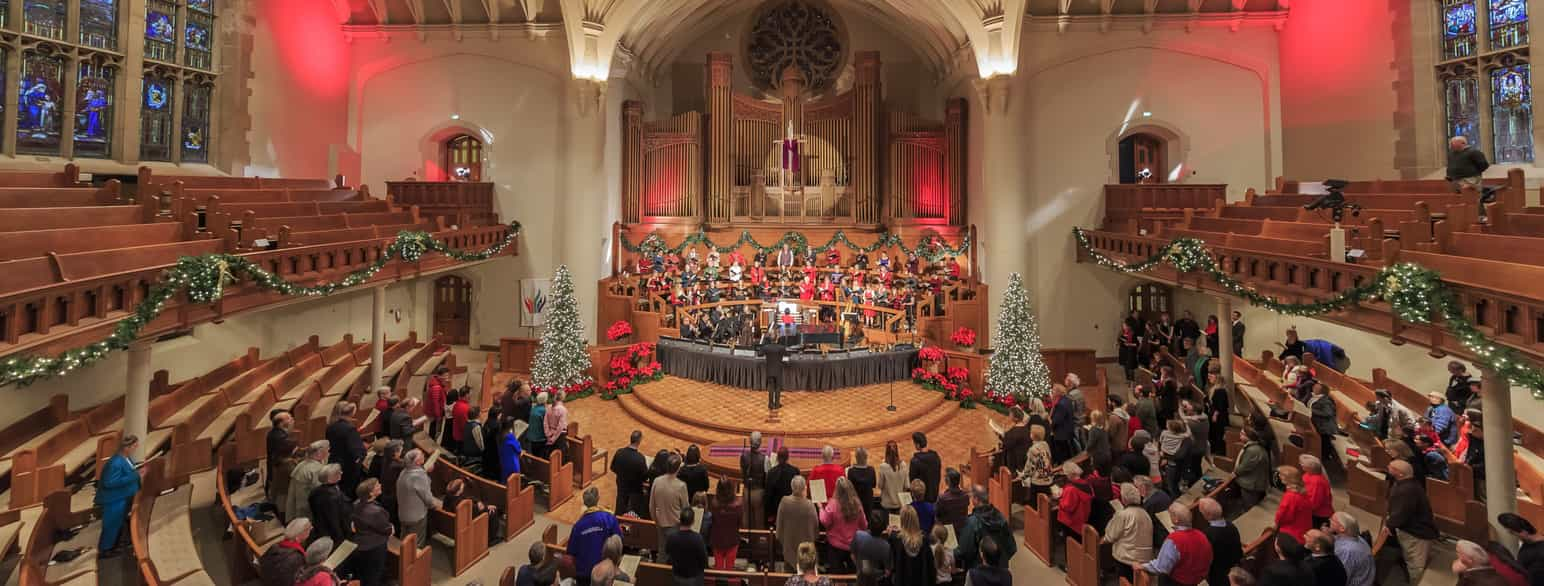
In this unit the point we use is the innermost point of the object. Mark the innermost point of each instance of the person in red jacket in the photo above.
(1186, 555)
(1317, 486)
(1075, 503)
(434, 401)
(1294, 516)
(458, 413)
(828, 470)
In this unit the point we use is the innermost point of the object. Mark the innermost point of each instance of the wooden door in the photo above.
(453, 309)
(1152, 300)
(1148, 152)
(463, 159)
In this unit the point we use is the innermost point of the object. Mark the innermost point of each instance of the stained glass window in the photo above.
(1511, 109)
(5, 13)
(197, 37)
(39, 104)
(195, 122)
(94, 110)
(161, 31)
(155, 118)
(1508, 23)
(45, 18)
(206, 6)
(1458, 29)
(99, 23)
(1462, 101)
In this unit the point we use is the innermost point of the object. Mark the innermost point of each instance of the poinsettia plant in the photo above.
(629, 370)
(931, 353)
(963, 336)
(954, 383)
(620, 329)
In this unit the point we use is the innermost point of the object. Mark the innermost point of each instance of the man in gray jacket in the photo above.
(414, 498)
(306, 476)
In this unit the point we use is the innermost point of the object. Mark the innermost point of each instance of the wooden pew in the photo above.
(55, 218)
(45, 197)
(1039, 521)
(1083, 558)
(556, 474)
(583, 454)
(39, 546)
(469, 533)
(33, 243)
(413, 562)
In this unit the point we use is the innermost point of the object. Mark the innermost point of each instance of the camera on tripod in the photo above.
(1335, 200)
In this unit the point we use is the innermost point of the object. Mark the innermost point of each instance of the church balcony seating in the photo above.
(38, 545)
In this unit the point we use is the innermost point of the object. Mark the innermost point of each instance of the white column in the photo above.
(1500, 469)
(136, 398)
(583, 224)
(377, 335)
(1224, 341)
(1003, 207)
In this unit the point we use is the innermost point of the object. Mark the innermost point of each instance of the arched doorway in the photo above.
(1151, 300)
(1144, 159)
(463, 158)
(453, 309)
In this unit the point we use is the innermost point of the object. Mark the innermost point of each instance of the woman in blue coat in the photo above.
(509, 451)
(115, 494)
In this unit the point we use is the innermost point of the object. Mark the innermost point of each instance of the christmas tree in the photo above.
(562, 364)
(1017, 367)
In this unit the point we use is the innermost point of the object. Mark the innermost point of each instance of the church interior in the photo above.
(767, 292)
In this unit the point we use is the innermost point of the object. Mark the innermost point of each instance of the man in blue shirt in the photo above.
(1442, 419)
(1354, 553)
(588, 539)
(115, 494)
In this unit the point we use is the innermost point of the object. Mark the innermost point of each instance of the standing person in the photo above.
(1218, 408)
(842, 517)
(372, 529)
(667, 497)
(1097, 444)
(1063, 425)
(724, 535)
(1410, 519)
(687, 551)
(911, 551)
(314, 573)
(780, 480)
(1211, 334)
(1238, 334)
(1323, 409)
(1465, 165)
(1294, 516)
(1530, 549)
(460, 411)
(493, 438)
(1015, 441)
(414, 497)
(1326, 568)
(435, 392)
(953, 504)
(1354, 554)
(1290, 567)
(694, 473)
(1222, 535)
(330, 508)
(1443, 421)
(753, 469)
(892, 479)
(305, 478)
(986, 523)
(1458, 393)
(536, 428)
(827, 471)
(1186, 556)
(587, 540)
(509, 450)
(555, 423)
(1473, 566)
(1127, 343)
(390, 469)
(282, 561)
(346, 448)
(1130, 532)
(472, 446)
(774, 354)
(281, 458)
(631, 470)
(863, 479)
(115, 494)
(993, 567)
(797, 522)
(1317, 486)
(925, 466)
(806, 563)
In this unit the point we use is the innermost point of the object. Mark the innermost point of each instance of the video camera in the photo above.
(1335, 200)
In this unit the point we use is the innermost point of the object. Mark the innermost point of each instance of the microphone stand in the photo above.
(891, 407)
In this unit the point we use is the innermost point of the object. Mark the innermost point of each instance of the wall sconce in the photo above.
(396, 314)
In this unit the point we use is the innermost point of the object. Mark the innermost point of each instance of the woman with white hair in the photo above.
(314, 573)
(1130, 532)
(1473, 566)
(535, 433)
(1317, 486)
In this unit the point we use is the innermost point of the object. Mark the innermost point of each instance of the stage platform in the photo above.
(808, 371)
(676, 412)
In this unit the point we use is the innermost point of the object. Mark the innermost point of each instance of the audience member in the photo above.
(119, 483)
(1323, 410)
(1120, 424)
(1218, 411)
(1130, 532)
(460, 412)
(1015, 441)
(347, 449)
(753, 470)
(1186, 556)
(1316, 485)
(1227, 546)
(915, 562)
(1322, 561)
(1252, 472)
(555, 427)
(1473, 566)
(842, 517)
(780, 481)
(588, 538)
(797, 523)
(1132, 459)
(1354, 553)
(667, 498)
(1240, 577)
(400, 424)
(509, 449)
(687, 552)
(372, 529)
(330, 508)
(724, 534)
(612, 553)
(943, 556)
(827, 471)
(536, 428)
(1294, 516)
(493, 441)
(872, 553)
(435, 394)
(892, 479)
(281, 458)
(925, 466)
(1443, 421)
(985, 523)
(863, 479)
(926, 512)
(993, 567)
(303, 479)
(1037, 471)
(1097, 442)
(953, 504)
(472, 446)
(1154, 499)
(1410, 519)
(414, 497)
(388, 468)
(694, 472)
(1530, 549)
(282, 561)
(1291, 567)
(541, 571)
(1458, 393)
(314, 573)
(455, 492)
(1175, 445)
(1072, 508)
(806, 563)
(1063, 425)
(1145, 410)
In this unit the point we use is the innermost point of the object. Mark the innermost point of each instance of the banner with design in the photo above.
(534, 295)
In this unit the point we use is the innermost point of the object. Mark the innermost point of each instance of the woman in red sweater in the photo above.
(1294, 516)
(1076, 501)
(1317, 486)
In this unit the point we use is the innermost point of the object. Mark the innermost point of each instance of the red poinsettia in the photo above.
(931, 353)
(958, 373)
(963, 336)
(620, 329)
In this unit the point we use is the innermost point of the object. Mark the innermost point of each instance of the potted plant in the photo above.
(619, 331)
(963, 337)
(932, 357)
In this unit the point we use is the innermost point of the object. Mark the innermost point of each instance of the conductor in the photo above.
(774, 353)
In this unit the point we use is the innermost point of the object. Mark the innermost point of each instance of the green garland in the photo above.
(205, 277)
(930, 247)
(1416, 294)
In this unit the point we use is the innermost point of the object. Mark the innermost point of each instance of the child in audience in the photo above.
(943, 555)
